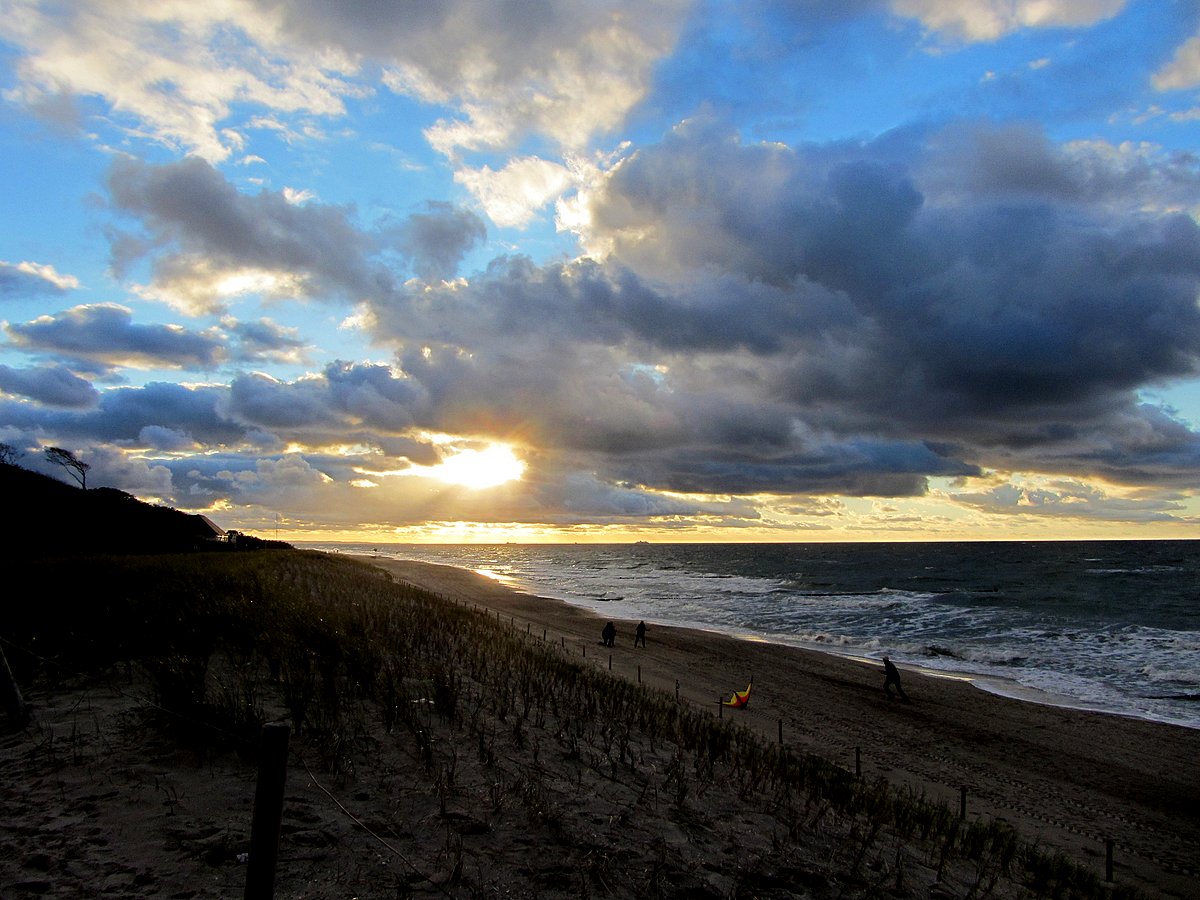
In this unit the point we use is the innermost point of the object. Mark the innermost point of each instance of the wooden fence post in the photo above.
(14, 703)
(268, 812)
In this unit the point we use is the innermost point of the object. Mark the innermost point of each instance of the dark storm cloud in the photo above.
(860, 468)
(123, 413)
(1020, 304)
(280, 405)
(199, 228)
(192, 411)
(851, 318)
(1018, 162)
(265, 340)
(375, 396)
(437, 239)
(345, 396)
(52, 385)
(189, 208)
(757, 295)
(106, 333)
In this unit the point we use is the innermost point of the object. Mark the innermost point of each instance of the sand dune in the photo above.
(96, 798)
(1068, 778)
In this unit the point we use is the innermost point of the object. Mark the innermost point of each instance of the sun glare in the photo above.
(485, 468)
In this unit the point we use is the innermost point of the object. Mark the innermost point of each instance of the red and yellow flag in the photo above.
(739, 698)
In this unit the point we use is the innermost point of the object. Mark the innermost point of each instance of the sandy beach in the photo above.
(98, 796)
(1070, 779)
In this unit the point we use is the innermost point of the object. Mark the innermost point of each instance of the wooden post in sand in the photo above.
(610, 662)
(268, 812)
(676, 688)
(14, 703)
(781, 731)
(962, 802)
(1108, 860)
(720, 709)
(639, 674)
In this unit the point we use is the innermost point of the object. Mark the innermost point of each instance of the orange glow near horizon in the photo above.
(519, 533)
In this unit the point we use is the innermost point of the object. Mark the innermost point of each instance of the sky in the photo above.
(604, 270)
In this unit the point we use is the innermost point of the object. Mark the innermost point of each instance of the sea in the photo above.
(1112, 626)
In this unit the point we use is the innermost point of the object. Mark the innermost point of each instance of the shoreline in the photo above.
(989, 682)
(1066, 778)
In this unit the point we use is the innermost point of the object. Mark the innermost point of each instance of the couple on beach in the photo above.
(608, 637)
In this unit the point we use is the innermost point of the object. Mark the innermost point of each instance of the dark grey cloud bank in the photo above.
(849, 319)
(51, 385)
(106, 333)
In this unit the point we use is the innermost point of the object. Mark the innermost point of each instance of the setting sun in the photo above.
(485, 468)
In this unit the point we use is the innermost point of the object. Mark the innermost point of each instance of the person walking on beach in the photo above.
(639, 635)
(609, 634)
(891, 678)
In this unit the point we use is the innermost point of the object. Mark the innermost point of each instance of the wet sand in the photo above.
(1068, 779)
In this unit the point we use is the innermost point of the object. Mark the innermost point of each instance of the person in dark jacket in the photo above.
(639, 635)
(609, 634)
(891, 679)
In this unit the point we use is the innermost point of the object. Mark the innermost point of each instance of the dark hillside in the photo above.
(47, 517)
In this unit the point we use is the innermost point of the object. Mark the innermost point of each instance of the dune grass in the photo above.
(338, 650)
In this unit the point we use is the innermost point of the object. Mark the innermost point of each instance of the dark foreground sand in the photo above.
(1067, 778)
(98, 799)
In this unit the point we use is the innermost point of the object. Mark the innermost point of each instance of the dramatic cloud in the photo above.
(265, 340)
(52, 385)
(1012, 319)
(106, 333)
(565, 68)
(437, 239)
(751, 264)
(175, 69)
(211, 242)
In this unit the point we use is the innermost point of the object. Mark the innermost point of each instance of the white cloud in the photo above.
(295, 196)
(33, 276)
(174, 71)
(1183, 71)
(512, 196)
(987, 20)
(175, 68)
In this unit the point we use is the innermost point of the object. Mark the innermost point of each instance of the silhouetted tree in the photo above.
(9, 454)
(75, 466)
